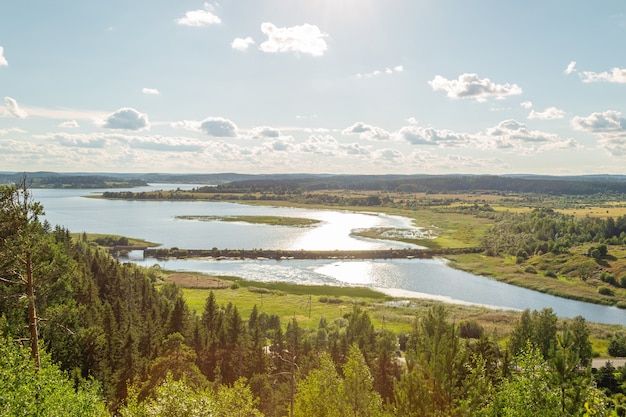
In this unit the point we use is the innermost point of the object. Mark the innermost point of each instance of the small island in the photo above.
(268, 220)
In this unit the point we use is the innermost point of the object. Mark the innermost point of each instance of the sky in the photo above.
(317, 86)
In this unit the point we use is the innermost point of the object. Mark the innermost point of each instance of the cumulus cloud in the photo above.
(571, 67)
(367, 132)
(152, 91)
(263, 132)
(166, 144)
(526, 104)
(197, 18)
(515, 136)
(282, 144)
(14, 108)
(128, 119)
(218, 127)
(610, 121)
(71, 124)
(192, 125)
(106, 140)
(376, 73)
(615, 75)
(470, 86)
(3, 60)
(608, 126)
(305, 39)
(242, 44)
(550, 113)
(418, 135)
(508, 135)
(328, 146)
(388, 154)
(91, 140)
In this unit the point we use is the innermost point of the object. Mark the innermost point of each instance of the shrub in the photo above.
(608, 278)
(605, 290)
(622, 281)
(617, 346)
(234, 286)
(471, 330)
(530, 269)
(330, 300)
(260, 290)
(550, 274)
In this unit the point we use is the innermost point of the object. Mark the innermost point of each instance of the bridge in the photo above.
(288, 254)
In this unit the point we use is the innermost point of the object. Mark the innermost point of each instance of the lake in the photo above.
(424, 278)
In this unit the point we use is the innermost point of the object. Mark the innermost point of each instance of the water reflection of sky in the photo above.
(157, 221)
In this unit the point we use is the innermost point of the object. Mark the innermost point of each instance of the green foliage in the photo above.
(28, 391)
(529, 391)
(177, 398)
(470, 329)
(152, 355)
(617, 345)
(435, 357)
(321, 393)
(537, 328)
(544, 230)
(361, 399)
(605, 290)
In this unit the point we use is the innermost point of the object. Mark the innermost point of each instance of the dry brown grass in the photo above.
(194, 280)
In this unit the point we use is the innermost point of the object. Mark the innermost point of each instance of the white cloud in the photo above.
(153, 91)
(128, 119)
(211, 126)
(283, 144)
(610, 121)
(91, 140)
(417, 135)
(218, 127)
(197, 18)
(516, 137)
(571, 67)
(69, 124)
(166, 144)
(306, 39)
(65, 114)
(263, 132)
(609, 127)
(550, 113)
(376, 73)
(14, 108)
(388, 154)
(508, 135)
(11, 130)
(526, 104)
(366, 131)
(616, 75)
(242, 44)
(3, 60)
(470, 86)
(105, 140)
(192, 125)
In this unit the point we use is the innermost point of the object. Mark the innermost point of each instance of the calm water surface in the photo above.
(156, 222)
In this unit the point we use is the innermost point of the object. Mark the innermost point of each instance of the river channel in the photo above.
(417, 278)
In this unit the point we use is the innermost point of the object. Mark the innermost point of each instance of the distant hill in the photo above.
(55, 180)
(232, 182)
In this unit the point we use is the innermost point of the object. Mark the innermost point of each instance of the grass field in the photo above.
(92, 237)
(269, 220)
(308, 304)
